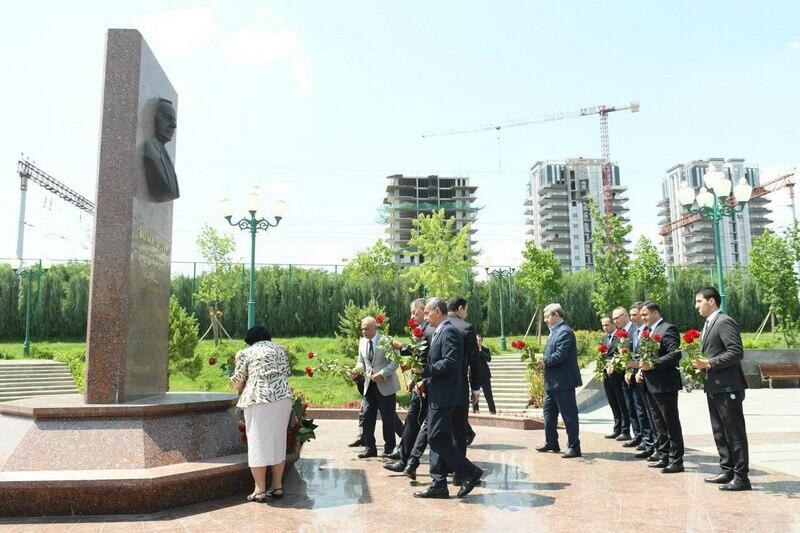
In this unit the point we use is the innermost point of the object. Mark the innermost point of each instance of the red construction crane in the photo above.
(781, 182)
(605, 150)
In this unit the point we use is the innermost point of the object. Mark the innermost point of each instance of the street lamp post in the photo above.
(500, 273)
(253, 225)
(715, 202)
(28, 273)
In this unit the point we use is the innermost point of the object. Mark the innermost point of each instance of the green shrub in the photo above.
(535, 381)
(763, 343)
(6, 355)
(183, 339)
(37, 352)
(294, 351)
(350, 326)
(76, 361)
(587, 341)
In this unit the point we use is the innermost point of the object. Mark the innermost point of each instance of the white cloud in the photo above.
(796, 45)
(178, 32)
(248, 47)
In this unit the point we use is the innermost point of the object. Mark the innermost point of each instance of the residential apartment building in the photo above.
(409, 196)
(693, 244)
(557, 208)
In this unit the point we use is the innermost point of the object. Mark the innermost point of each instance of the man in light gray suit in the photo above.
(380, 389)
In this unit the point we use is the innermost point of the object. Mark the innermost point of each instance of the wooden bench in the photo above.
(785, 372)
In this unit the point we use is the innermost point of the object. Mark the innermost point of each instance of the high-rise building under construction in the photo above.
(409, 196)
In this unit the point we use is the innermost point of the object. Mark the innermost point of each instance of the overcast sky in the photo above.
(319, 101)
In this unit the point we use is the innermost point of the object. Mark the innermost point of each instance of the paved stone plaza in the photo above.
(605, 490)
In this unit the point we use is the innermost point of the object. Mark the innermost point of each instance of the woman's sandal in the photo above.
(275, 494)
(257, 496)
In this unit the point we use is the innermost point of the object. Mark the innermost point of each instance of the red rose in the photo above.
(244, 437)
(305, 405)
(242, 427)
(657, 337)
(417, 332)
(379, 319)
(514, 344)
(603, 348)
(412, 323)
(688, 337)
(646, 334)
(695, 333)
(309, 372)
(621, 334)
(521, 344)
(212, 360)
(310, 355)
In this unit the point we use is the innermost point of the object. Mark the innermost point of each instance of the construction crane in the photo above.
(29, 172)
(781, 182)
(605, 149)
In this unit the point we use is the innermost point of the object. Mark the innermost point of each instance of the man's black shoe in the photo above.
(470, 483)
(672, 469)
(611, 436)
(394, 456)
(632, 443)
(458, 480)
(368, 452)
(355, 444)
(470, 438)
(548, 448)
(623, 437)
(570, 453)
(654, 458)
(641, 447)
(397, 466)
(411, 472)
(661, 464)
(431, 492)
(736, 485)
(642, 455)
(720, 478)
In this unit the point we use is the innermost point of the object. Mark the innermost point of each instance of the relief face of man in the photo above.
(166, 121)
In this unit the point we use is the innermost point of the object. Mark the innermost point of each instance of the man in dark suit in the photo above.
(561, 377)
(486, 377)
(159, 170)
(443, 387)
(633, 397)
(725, 384)
(407, 462)
(663, 383)
(612, 384)
(470, 372)
(638, 390)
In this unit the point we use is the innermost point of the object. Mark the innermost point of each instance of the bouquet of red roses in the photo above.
(410, 355)
(649, 346)
(600, 362)
(622, 355)
(527, 354)
(692, 351)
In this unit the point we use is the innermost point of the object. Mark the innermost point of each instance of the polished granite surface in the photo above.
(606, 489)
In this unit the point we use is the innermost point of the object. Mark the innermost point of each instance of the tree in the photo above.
(611, 261)
(648, 273)
(541, 276)
(772, 263)
(218, 285)
(183, 342)
(374, 267)
(446, 259)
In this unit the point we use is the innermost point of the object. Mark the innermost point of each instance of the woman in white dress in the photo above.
(261, 376)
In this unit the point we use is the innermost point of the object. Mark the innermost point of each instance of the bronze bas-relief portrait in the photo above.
(159, 170)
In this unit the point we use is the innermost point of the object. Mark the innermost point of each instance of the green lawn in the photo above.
(322, 391)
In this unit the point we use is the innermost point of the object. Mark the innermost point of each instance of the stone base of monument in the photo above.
(60, 456)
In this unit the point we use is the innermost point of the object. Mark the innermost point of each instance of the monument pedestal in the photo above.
(61, 456)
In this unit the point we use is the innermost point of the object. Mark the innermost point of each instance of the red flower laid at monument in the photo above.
(309, 372)
(310, 355)
(212, 360)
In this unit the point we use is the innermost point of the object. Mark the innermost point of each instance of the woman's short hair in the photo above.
(257, 334)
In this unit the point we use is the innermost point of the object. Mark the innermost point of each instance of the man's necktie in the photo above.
(370, 352)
